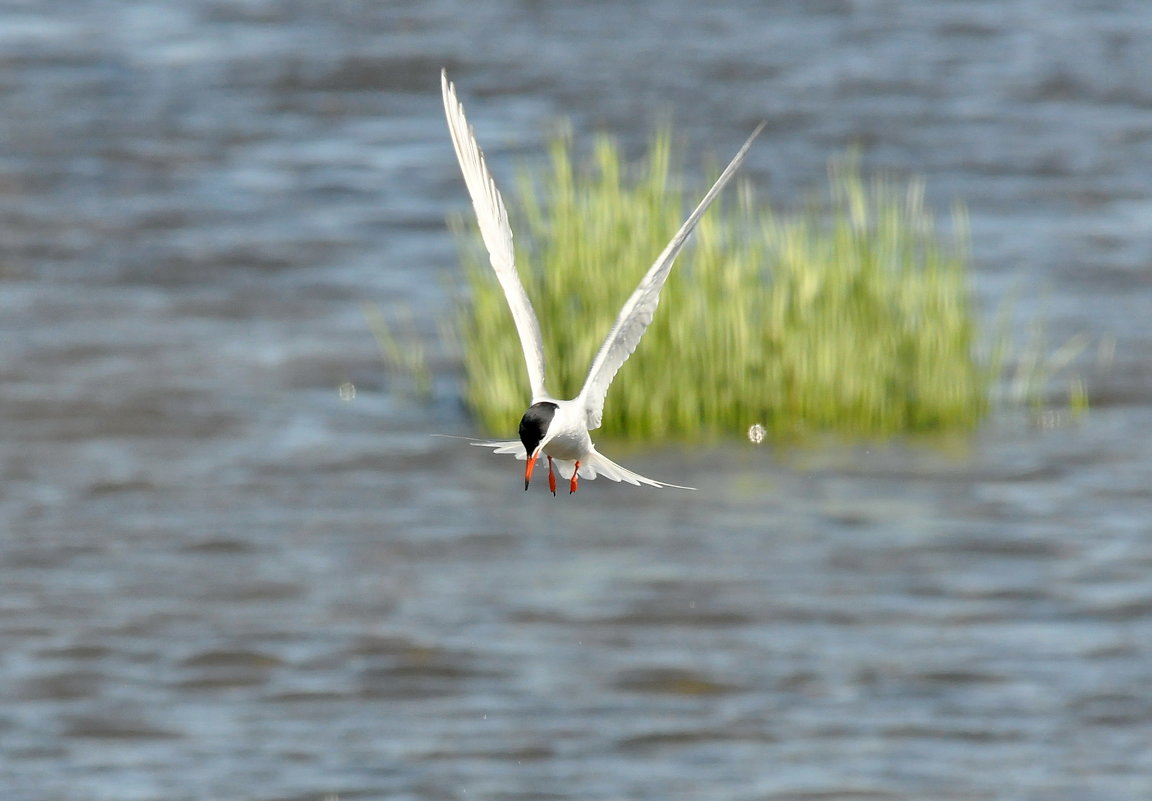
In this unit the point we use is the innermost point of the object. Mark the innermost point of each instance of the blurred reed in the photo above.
(852, 315)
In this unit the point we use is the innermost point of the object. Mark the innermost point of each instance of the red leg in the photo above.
(551, 477)
(575, 479)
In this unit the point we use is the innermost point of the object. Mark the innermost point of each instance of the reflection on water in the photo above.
(226, 574)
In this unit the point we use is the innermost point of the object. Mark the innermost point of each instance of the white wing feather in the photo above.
(637, 312)
(497, 235)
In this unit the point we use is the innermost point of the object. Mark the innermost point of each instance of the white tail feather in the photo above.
(598, 464)
(594, 465)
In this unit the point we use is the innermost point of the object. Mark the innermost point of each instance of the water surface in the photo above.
(219, 580)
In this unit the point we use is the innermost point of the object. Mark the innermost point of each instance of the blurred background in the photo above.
(223, 577)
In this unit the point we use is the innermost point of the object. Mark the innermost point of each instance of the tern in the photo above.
(551, 426)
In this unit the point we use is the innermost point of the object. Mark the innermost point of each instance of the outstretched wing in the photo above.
(637, 312)
(497, 235)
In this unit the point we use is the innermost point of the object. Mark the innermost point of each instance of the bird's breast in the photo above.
(570, 449)
(571, 440)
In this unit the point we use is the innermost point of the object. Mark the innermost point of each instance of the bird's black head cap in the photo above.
(534, 424)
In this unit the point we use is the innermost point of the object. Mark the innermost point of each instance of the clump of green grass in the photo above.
(403, 358)
(853, 315)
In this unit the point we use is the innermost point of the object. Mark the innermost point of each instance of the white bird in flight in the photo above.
(559, 428)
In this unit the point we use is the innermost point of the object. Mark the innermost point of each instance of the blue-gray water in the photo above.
(219, 580)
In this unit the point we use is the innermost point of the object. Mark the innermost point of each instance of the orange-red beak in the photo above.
(530, 466)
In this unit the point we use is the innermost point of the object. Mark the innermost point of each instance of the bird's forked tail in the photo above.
(593, 465)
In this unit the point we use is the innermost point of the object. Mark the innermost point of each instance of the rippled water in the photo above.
(219, 580)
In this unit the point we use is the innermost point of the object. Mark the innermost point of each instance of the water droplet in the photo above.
(756, 434)
(347, 391)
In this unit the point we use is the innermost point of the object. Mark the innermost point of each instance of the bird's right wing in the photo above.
(638, 310)
(497, 234)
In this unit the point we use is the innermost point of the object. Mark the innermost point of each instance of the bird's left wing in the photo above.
(497, 235)
(637, 312)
